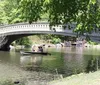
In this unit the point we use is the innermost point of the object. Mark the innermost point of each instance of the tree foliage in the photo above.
(23, 41)
(89, 19)
(86, 13)
(31, 10)
(8, 11)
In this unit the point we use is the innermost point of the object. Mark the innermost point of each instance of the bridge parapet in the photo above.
(40, 27)
(29, 27)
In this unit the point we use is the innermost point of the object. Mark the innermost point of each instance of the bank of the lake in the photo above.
(10, 74)
(79, 79)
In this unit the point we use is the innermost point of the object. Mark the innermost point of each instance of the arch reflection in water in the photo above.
(31, 62)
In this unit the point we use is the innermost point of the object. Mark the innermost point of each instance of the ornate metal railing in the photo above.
(38, 26)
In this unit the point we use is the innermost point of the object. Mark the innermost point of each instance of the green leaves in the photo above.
(93, 1)
(86, 13)
(31, 10)
(7, 12)
(23, 41)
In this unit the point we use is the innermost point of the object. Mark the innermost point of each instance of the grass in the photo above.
(79, 79)
(11, 82)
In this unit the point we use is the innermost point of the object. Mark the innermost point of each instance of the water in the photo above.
(62, 61)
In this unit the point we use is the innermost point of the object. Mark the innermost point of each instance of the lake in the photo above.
(62, 62)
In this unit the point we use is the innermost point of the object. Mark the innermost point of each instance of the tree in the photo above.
(86, 13)
(8, 11)
(89, 20)
(31, 10)
(23, 41)
(3, 17)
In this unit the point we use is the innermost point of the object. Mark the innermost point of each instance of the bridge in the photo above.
(9, 33)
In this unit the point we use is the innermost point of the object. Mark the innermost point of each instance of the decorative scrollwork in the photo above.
(3, 40)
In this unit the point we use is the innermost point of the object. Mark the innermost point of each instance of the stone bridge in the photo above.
(9, 33)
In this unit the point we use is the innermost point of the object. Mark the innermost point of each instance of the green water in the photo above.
(65, 61)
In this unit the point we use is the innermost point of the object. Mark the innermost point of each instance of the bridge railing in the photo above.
(38, 27)
(29, 27)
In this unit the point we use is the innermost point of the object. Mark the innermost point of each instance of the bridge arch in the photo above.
(9, 33)
(10, 37)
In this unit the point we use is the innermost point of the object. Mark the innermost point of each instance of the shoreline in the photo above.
(11, 74)
(92, 78)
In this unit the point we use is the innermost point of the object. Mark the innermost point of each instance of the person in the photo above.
(40, 49)
(33, 48)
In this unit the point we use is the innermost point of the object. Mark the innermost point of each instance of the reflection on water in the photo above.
(31, 62)
(73, 60)
(93, 64)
